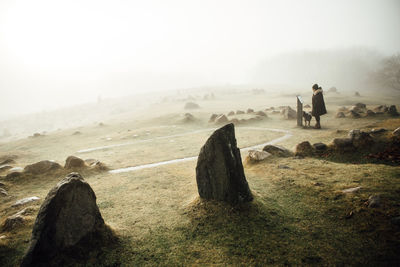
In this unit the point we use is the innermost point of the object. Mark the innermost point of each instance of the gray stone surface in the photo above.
(42, 167)
(219, 171)
(68, 226)
(276, 150)
(74, 162)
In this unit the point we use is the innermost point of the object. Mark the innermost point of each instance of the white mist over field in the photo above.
(61, 53)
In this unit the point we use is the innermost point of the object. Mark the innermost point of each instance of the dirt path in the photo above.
(287, 135)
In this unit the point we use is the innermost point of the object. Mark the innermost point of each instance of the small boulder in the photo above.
(12, 222)
(250, 111)
(381, 109)
(261, 113)
(77, 133)
(187, 118)
(304, 149)
(219, 171)
(320, 147)
(277, 150)
(255, 156)
(191, 105)
(393, 111)
(343, 144)
(68, 226)
(73, 162)
(42, 167)
(354, 114)
(212, 118)
(221, 119)
(340, 114)
(370, 113)
(231, 113)
(238, 112)
(357, 94)
(288, 113)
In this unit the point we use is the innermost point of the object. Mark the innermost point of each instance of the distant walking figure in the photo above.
(318, 105)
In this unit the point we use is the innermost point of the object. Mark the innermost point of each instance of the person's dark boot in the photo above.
(317, 126)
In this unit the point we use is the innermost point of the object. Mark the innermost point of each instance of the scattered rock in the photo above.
(381, 109)
(343, 144)
(221, 119)
(219, 171)
(357, 94)
(231, 113)
(77, 133)
(3, 192)
(320, 147)
(351, 190)
(255, 156)
(370, 113)
(289, 113)
(101, 124)
(16, 169)
(354, 114)
(35, 135)
(304, 149)
(396, 132)
(191, 105)
(187, 118)
(250, 110)
(340, 115)
(360, 139)
(42, 167)
(68, 226)
(12, 222)
(25, 201)
(277, 150)
(261, 113)
(74, 162)
(99, 166)
(212, 118)
(238, 112)
(374, 201)
(393, 111)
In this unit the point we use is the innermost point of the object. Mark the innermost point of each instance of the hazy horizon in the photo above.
(61, 53)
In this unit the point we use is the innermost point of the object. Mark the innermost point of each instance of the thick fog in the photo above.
(59, 53)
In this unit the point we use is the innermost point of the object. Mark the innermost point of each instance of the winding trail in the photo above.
(287, 135)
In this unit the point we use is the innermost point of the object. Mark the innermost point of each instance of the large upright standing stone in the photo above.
(68, 226)
(219, 170)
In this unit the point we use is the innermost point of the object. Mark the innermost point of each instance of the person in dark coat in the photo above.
(318, 105)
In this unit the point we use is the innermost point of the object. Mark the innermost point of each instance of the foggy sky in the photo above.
(55, 53)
